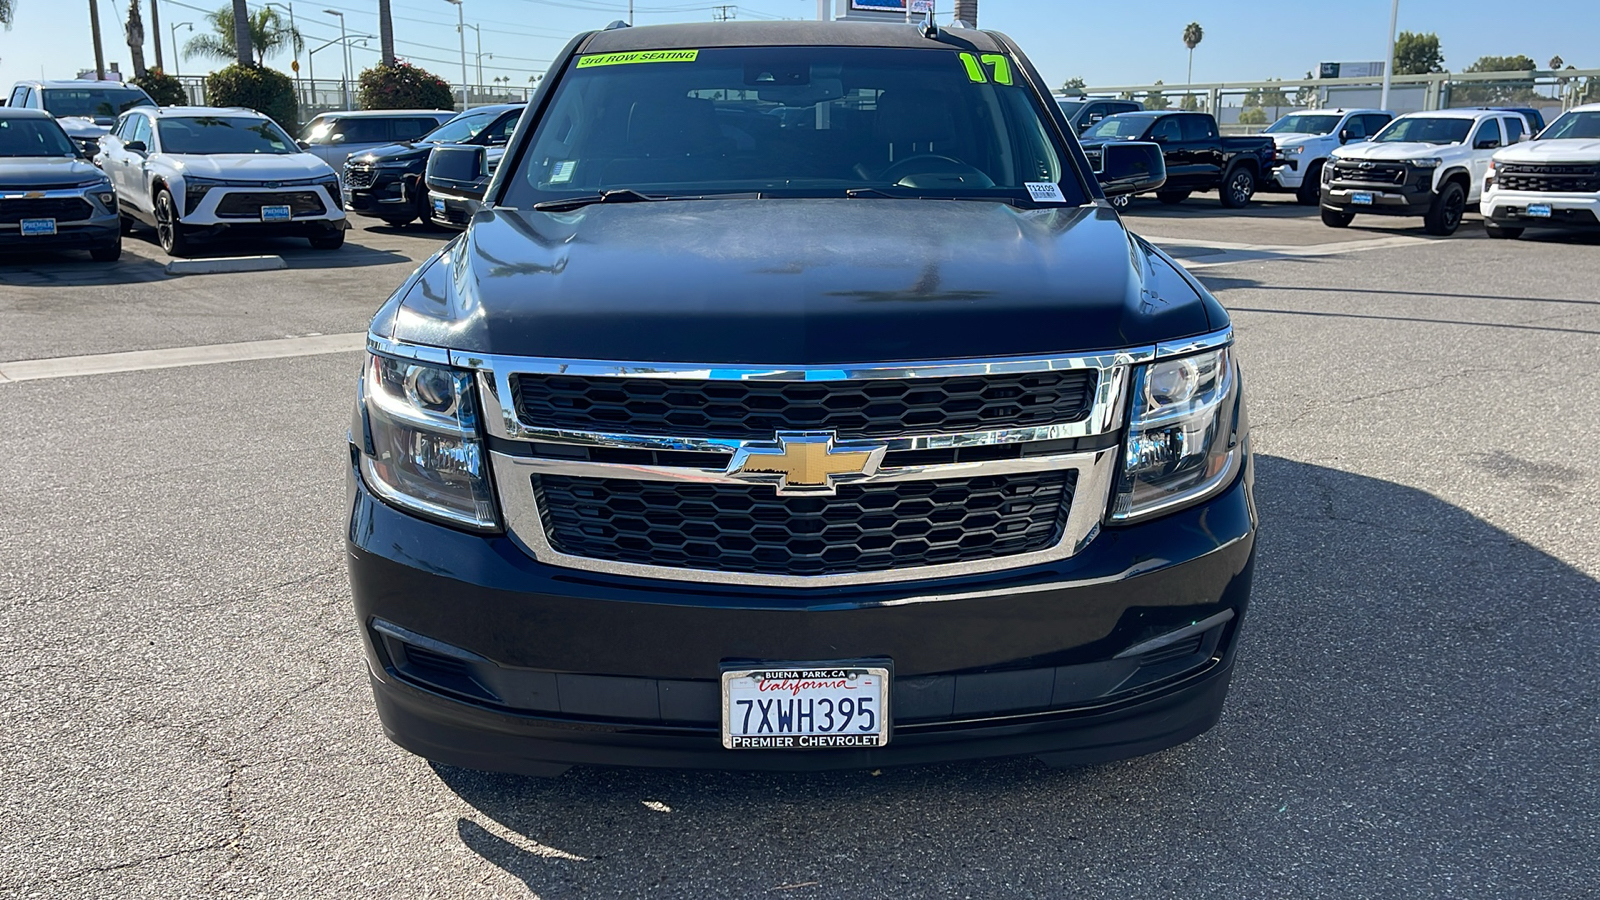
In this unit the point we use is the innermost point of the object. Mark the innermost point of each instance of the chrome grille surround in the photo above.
(1095, 470)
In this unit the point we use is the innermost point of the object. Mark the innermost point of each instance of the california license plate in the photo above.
(1361, 198)
(805, 708)
(1538, 210)
(274, 213)
(33, 227)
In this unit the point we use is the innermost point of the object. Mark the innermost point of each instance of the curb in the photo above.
(225, 264)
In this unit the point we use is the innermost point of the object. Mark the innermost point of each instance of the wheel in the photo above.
(169, 231)
(397, 222)
(1238, 188)
(1335, 219)
(1310, 191)
(1170, 197)
(1120, 201)
(1444, 216)
(333, 240)
(1503, 232)
(109, 253)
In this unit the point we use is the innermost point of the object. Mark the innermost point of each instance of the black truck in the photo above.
(1198, 158)
(794, 399)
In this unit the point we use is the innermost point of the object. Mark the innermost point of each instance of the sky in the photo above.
(1104, 43)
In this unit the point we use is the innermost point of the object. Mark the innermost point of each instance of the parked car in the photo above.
(86, 109)
(1083, 112)
(1552, 181)
(1428, 164)
(1534, 118)
(457, 178)
(769, 447)
(191, 172)
(387, 182)
(51, 197)
(334, 136)
(1306, 138)
(1198, 158)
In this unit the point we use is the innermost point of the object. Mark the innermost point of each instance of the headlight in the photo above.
(421, 449)
(1185, 434)
(1292, 151)
(1488, 177)
(1427, 162)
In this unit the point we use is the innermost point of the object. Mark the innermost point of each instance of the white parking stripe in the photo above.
(1222, 253)
(140, 360)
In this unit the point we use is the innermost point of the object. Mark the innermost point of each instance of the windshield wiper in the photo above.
(621, 195)
(877, 192)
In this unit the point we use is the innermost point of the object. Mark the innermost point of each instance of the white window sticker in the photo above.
(1046, 192)
(561, 172)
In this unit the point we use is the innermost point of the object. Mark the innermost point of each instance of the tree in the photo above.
(8, 8)
(266, 34)
(1073, 87)
(1518, 63)
(1255, 115)
(1510, 90)
(1189, 103)
(243, 40)
(1192, 35)
(134, 30)
(403, 86)
(1155, 99)
(385, 34)
(1417, 54)
(162, 88)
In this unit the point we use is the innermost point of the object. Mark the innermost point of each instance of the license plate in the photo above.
(1538, 210)
(274, 213)
(438, 207)
(38, 226)
(805, 708)
(1361, 198)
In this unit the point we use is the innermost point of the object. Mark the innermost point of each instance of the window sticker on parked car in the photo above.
(1045, 192)
(561, 172)
(638, 56)
(997, 63)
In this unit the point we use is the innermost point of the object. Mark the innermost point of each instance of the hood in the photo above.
(1577, 150)
(85, 127)
(251, 166)
(400, 152)
(1296, 138)
(1393, 150)
(805, 282)
(36, 172)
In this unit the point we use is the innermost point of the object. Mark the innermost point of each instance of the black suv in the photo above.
(386, 182)
(795, 400)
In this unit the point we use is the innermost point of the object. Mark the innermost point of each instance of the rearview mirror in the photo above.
(1132, 167)
(458, 172)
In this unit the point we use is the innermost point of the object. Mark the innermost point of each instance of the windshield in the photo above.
(93, 102)
(218, 134)
(1574, 125)
(1117, 127)
(1303, 124)
(461, 129)
(1068, 107)
(33, 137)
(1426, 129)
(811, 121)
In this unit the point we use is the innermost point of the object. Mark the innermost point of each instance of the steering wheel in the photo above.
(900, 168)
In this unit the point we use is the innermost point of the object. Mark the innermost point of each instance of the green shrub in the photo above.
(255, 87)
(1255, 115)
(404, 86)
(164, 89)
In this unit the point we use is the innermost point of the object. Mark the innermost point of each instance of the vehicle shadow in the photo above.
(296, 252)
(1267, 206)
(1414, 688)
(65, 268)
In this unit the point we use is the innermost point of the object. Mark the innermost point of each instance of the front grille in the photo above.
(1551, 177)
(359, 178)
(241, 205)
(752, 530)
(754, 410)
(1374, 173)
(62, 209)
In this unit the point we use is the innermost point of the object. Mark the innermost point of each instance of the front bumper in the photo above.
(1286, 174)
(450, 212)
(1408, 199)
(389, 196)
(231, 207)
(100, 231)
(482, 657)
(1577, 212)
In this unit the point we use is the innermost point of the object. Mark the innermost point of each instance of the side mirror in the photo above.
(458, 171)
(303, 145)
(1486, 144)
(336, 138)
(135, 147)
(1133, 167)
(1344, 135)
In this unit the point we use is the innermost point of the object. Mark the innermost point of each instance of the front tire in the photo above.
(169, 230)
(1444, 215)
(1310, 192)
(1238, 188)
(1172, 197)
(333, 240)
(1502, 232)
(1335, 219)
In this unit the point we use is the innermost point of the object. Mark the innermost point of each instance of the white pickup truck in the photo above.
(1552, 181)
(1428, 164)
(1307, 137)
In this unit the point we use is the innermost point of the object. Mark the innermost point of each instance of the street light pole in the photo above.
(478, 31)
(294, 52)
(1388, 65)
(344, 82)
(461, 29)
(176, 54)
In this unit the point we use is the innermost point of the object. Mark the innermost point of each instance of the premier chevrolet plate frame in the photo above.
(806, 706)
(275, 214)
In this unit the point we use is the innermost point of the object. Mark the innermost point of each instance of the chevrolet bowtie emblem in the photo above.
(805, 462)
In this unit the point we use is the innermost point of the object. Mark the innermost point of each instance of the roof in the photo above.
(162, 111)
(78, 83)
(23, 112)
(786, 34)
(1586, 107)
(1458, 113)
(373, 113)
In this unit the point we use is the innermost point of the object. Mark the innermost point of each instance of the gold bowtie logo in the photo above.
(805, 462)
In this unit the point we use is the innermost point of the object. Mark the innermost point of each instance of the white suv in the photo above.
(1552, 181)
(1307, 137)
(1429, 164)
(196, 171)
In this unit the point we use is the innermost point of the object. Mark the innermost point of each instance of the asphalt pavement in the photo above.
(1414, 714)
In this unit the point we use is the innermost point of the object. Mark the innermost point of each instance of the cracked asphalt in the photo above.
(185, 711)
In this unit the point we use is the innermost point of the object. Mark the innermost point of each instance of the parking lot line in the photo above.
(174, 357)
(1221, 253)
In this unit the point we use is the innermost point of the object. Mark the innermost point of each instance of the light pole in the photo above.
(176, 54)
(294, 52)
(478, 31)
(461, 29)
(311, 58)
(344, 83)
(1388, 64)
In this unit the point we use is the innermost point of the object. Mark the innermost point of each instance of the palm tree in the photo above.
(1192, 33)
(264, 34)
(8, 8)
(385, 33)
(242, 44)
